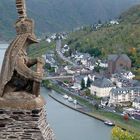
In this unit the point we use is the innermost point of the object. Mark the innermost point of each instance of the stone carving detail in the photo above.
(16, 74)
(21, 8)
(22, 113)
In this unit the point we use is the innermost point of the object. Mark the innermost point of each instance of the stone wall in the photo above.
(19, 124)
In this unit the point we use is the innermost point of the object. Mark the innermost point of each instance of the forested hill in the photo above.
(61, 15)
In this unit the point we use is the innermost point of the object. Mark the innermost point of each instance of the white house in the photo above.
(68, 70)
(48, 40)
(53, 37)
(136, 103)
(76, 86)
(113, 22)
(65, 48)
(103, 65)
(123, 95)
(123, 80)
(128, 75)
(101, 87)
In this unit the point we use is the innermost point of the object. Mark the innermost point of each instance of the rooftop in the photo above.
(137, 100)
(102, 82)
(125, 90)
(114, 57)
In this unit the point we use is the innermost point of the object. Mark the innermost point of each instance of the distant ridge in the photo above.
(61, 15)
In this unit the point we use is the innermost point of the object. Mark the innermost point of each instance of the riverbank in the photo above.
(97, 115)
(73, 108)
(72, 125)
(131, 125)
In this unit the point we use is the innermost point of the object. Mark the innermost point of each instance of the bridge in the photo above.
(58, 77)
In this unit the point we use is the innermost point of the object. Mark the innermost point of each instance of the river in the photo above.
(69, 124)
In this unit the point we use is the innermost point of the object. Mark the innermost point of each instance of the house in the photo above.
(121, 96)
(53, 37)
(118, 62)
(77, 82)
(113, 22)
(104, 101)
(49, 57)
(136, 103)
(48, 40)
(69, 70)
(101, 87)
(83, 59)
(127, 110)
(65, 48)
(76, 86)
(122, 80)
(128, 75)
(102, 64)
(98, 26)
(61, 71)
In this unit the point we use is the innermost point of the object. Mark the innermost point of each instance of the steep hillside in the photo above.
(122, 38)
(132, 15)
(61, 15)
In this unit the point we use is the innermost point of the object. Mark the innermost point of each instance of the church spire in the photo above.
(21, 8)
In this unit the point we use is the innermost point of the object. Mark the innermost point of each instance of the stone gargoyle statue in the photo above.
(17, 74)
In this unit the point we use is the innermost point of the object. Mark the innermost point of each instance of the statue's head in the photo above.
(26, 26)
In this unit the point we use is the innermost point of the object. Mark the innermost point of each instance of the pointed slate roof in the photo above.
(102, 83)
(114, 57)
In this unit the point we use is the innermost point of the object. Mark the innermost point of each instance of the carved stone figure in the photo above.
(22, 110)
(16, 74)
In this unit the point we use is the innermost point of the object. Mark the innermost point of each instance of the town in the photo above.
(108, 83)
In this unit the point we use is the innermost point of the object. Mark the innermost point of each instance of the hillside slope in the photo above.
(61, 15)
(122, 38)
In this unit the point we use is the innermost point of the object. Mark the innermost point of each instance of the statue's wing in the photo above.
(21, 8)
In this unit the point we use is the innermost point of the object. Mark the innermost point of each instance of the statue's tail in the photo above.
(21, 8)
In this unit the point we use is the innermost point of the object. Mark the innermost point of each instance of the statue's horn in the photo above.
(21, 8)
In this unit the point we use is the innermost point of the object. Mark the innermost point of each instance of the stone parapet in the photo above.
(21, 100)
(18, 124)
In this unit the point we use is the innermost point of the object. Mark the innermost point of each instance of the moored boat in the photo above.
(65, 96)
(109, 123)
(70, 99)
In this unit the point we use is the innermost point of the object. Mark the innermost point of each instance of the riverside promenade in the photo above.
(79, 108)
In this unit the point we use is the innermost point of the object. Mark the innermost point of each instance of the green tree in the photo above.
(87, 92)
(47, 84)
(82, 84)
(97, 68)
(70, 52)
(99, 21)
(96, 52)
(96, 106)
(88, 82)
(119, 134)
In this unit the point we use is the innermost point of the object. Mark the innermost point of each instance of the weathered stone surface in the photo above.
(17, 74)
(27, 126)
(21, 100)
